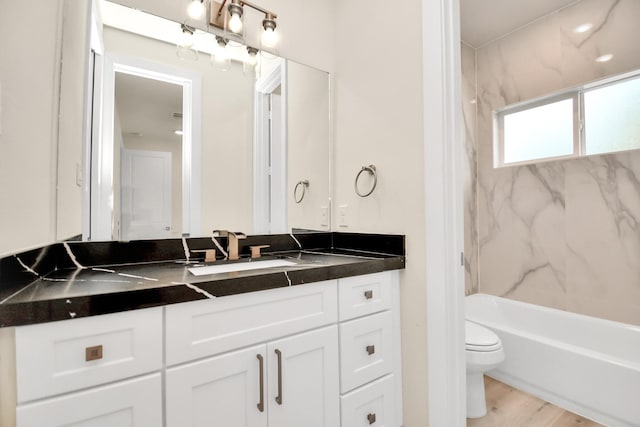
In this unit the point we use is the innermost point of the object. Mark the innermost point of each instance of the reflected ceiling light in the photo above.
(178, 132)
(185, 43)
(221, 58)
(230, 18)
(253, 56)
(583, 28)
(186, 38)
(604, 58)
(196, 9)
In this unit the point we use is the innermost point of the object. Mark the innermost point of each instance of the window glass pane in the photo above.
(540, 132)
(612, 117)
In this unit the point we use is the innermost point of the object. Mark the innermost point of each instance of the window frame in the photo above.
(579, 137)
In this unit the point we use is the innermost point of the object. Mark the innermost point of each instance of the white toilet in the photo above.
(483, 351)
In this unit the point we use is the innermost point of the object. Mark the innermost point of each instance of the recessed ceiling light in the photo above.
(604, 58)
(177, 132)
(583, 28)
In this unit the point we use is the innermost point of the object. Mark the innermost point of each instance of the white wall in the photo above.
(379, 120)
(75, 45)
(29, 77)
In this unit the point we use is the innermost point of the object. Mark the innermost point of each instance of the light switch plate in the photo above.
(324, 216)
(343, 216)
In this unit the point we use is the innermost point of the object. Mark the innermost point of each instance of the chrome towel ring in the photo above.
(304, 185)
(372, 171)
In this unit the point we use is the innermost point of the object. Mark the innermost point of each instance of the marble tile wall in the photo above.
(564, 234)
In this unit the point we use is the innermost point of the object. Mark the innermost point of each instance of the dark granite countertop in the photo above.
(83, 282)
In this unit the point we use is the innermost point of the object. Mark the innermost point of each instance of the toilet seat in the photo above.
(479, 338)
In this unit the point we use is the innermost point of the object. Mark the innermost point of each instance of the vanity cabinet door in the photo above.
(303, 380)
(133, 403)
(227, 390)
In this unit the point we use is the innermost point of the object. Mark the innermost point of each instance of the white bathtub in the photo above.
(587, 365)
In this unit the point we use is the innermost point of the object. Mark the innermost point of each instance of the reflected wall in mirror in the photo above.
(244, 146)
(568, 228)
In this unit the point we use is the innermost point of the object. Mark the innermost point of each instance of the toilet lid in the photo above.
(479, 338)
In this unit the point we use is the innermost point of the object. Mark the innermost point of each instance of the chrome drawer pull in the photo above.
(371, 418)
(368, 294)
(371, 349)
(93, 353)
(279, 396)
(261, 403)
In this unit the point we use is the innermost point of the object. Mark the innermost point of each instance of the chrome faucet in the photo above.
(232, 239)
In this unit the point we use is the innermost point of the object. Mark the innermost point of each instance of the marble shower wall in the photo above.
(564, 234)
(470, 169)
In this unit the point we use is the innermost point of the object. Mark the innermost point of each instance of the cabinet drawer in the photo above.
(204, 328)
(366, 350)
(64, 356)
(136, 403)
(362, 295)
(370, 406)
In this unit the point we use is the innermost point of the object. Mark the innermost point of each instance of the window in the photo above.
(601, 117)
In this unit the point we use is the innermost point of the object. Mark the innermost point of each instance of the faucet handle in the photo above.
(220, 233)
(255, 250)
(209, 254)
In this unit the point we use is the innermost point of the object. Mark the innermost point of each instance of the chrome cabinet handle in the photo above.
(371, 418)
(371, 349)
(279, 396)
(261, 403)
(368, 294)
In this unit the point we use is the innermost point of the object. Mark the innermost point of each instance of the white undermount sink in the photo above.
(240, 266)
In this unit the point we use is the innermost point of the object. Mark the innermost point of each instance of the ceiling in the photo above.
(482, 21)
(146, 107)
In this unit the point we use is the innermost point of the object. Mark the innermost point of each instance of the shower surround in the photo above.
(566, 233)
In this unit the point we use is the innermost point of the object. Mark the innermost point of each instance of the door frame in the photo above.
(444, 269)
(102, 152)
(264, 207)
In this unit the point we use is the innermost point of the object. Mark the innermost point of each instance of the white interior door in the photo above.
(145, 194)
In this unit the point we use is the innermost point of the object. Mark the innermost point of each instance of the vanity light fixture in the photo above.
(269, 36)
(230, 19)
(178, 132)
(236, 11)
(196, 9)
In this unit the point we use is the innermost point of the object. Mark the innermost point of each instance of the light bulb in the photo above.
(195, 9)
(186, 39)
(269, 37)
(235, 23)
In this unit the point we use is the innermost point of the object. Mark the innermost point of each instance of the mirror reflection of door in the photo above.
(148, 199)
(145, 194)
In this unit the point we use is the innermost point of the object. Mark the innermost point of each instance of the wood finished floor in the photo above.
(508, 407)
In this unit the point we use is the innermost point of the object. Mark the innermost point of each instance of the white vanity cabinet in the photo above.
(95, 371)
(370, 365)
(323, 354)
(290, 382)
(288, 376)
